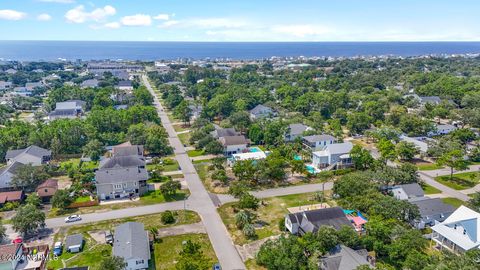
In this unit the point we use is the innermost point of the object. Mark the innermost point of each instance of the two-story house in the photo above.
(131, 242)
(317, 142)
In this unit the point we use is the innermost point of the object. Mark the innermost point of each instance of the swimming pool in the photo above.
(310, 169)
(297, 157)
(254, 149)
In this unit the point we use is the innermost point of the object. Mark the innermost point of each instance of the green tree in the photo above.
(3, 231)
(327, 238)
(61, 199)
(34, 200)
(113, 263)
(28, 177)
(361, 158)
(474, 202)
(214, 147)
(28, 219)
(192, 257)
(243, 218)
(93, 149)
(255, 133)
(183, 112)
(249, 231)
(387, 150)
(220, 175)
(170, 188)
(247, 200)
(453, 159)
(168, 217)
(406, 150)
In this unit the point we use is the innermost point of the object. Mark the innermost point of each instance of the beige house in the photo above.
(47, 189)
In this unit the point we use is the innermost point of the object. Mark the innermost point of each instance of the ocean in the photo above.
(90, 50)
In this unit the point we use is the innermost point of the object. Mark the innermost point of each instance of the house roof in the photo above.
(319, 138)
(90, 83)
(223, 132)
(31, 150)
(412, 190)
(70, 104)
(462, 227)
(131, 241)
(432, 206)
(127, 150)
(10, 196)
(312, 220)
(344, 258)
(124, 84)
(122, 161)
(48, 183)
(8, 250)
(431, 99)
(233, 140)
(74, 240)
(260, 109)
(445, 126)
(250, 156)
(12, 168)
(297, 128)
(423, 146)
(335, 149)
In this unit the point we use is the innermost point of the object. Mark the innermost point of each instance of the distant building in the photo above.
(92, 83)
(295, 131)
(261, 111)
(68, 109)
(6, 176)
(443, 129)
(131, 242)
(421, 145)
(434, 100)
(31, 155)
(223, 132)
(34, 86)
(122, 175)
(124, 85)
(258, 155)
(310, 221)
(5, 85)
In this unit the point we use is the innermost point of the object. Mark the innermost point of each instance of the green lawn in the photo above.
(75, 163)
(82, 199)
(180, 128)
(453, 202)
(273, 210)
(167, 251)
(195, 153)
(460, 181)
(184, 137)
(154, 197)
(165, 167)
(429, 189)
(428, 166)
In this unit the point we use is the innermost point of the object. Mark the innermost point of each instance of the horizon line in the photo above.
(193, 41)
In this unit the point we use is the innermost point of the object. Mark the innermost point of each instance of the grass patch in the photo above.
(460, 181)
(251, 264)
(184, 138)
(154, 197)
(168, 250)
(453, 202)
(270, 213)
(82, 199)
(180, 128)
(428, 166)
(76, 164)
(430, 190)
(195, 153)
(172, 165)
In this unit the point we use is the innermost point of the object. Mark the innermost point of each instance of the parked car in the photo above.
(217, 267)
(108, 237)
(17, 240)
(57, 249)
(73, 218)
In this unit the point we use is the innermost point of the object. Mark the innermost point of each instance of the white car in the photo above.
(73, 218)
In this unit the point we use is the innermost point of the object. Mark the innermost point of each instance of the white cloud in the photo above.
(137, 20)
(58, 1)
(44, 17)
(11, 15)
(162, 17)
(112, 25)
(302, 30)
(79, 15)
(168, 24)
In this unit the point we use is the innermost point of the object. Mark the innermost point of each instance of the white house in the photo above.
(247, 156)
(31, 155)
(421, 145)
(442, 130)
(460, 232)
(131, 243)
(333, 154)
(124, 85)
(233, 144)
(318, 142)
(407, 191)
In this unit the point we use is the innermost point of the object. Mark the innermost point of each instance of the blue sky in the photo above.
(240, 20)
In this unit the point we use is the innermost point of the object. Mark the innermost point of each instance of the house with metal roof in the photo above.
(74, 243)
(344, 258)
(336, 155)
(68, 109)
(407, 191)
(295, 130)
(131, 242)
(460, 232)
(31, 155)
(318, 142)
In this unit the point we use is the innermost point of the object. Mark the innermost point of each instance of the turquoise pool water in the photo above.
(297, 157)
(255, 149)
(310, 169)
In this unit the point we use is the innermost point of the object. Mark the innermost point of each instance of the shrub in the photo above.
(281, 225)
(168, 217)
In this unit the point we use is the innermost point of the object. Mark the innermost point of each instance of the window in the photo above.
(124, 185)
(118, 185)
(135, 183)
(46, 190)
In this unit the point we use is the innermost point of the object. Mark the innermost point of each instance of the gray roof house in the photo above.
(311, 221)
(68, 109)
(344, 258)
(123, 174)
(223, 132)
(294, 131)
(434, 100)
(33, 85)
(432, 211)
(92, 83)
(124, 85)
(131, 243)
(74, 243)
(31, 155)
(261, 111)
(407, 191)
(6, 175)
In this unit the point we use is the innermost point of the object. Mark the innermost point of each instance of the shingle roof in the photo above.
(130, 150)
(314, 219)
(412, 190)
(233, 140)
(131, 241)
(124, 84)
(319, 138)
(432, 99)
(344, 258)
(8, 250)
(74, 240)
(32, 150)
(260, 109)
(223, 132)
(432, 206)
(48, 183)
(296, 128)
(10, 196)
(122, 161)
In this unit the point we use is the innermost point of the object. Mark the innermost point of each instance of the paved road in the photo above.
(450, 192)
(446, 171)
(199, 199)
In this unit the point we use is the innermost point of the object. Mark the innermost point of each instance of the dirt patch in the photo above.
(98, 236)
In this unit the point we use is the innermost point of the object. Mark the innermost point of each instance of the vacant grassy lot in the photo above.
(195, 153)
(429, 189)
(428, 166)
(184, 138)
(453, 202)
(168, 250)
(460, 181)
(269, 214)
